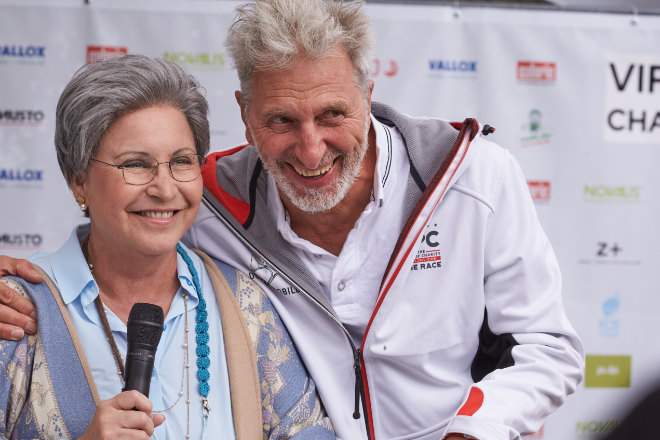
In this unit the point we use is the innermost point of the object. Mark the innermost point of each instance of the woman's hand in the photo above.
(116, 419)
(17, 314)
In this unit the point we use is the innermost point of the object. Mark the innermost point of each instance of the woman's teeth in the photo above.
(154, 214)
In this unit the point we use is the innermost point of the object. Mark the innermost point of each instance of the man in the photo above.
(403, 254)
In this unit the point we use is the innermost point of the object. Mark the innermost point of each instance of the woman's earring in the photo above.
(82, 203)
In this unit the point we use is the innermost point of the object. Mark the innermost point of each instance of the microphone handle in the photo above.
(139, 366)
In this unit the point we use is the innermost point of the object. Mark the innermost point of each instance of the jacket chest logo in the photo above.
(428, 255)
(260, 269)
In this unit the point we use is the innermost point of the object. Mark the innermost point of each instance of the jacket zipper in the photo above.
(357, 354)
(464, 127)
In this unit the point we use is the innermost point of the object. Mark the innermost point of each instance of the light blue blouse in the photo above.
(69, 271)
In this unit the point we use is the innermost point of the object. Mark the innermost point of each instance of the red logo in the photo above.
(388, 68)
(96, 53)
(539, 189)
(536, 71)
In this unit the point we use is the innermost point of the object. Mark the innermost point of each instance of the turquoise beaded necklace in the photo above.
(202, 339)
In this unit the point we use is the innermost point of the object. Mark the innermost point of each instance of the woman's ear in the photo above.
(78, 184)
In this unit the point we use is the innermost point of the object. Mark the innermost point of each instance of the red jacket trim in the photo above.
(473, 403)
(239, 209)
(465, 128)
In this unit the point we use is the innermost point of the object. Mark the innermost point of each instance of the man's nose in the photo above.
(311, 147)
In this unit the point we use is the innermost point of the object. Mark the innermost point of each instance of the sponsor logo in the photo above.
(612, 194)
(21, 178)
(198, 61)
(536, 71)
(19, 51)
(539, 189)
(533, 132)
(18, 175)
(289, 290)
(384, 67)
(606, 249)
(22, 54)
(591, 427)
(428, 255)
(607, 371)
(455, 68)
(609, 252)
(20, 241)
(259, 269)
(632, 89)
(96, 53)
(21, 117)
(608, 324)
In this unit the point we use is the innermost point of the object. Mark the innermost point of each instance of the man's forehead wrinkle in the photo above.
(322, 97)
(293, 88)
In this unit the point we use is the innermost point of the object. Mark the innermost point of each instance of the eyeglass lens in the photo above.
(183, 168)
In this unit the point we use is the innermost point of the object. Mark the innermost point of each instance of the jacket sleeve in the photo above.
(16, 360)
(291, 405)
(529, 357)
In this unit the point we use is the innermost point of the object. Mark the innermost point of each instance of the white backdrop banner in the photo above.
(574, 96)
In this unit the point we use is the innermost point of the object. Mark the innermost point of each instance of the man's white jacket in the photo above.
(468, 335)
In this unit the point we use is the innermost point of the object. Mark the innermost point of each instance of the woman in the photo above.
(131, 134)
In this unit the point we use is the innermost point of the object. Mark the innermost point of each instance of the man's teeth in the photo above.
(314, 173)
(154, 214)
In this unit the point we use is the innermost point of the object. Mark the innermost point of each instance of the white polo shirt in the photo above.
(351, 280)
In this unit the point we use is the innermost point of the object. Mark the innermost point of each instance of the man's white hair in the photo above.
(270, 34)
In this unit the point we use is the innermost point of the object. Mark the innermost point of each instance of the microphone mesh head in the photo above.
(145, 324)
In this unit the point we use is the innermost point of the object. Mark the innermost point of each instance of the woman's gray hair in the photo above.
(269, 34)
(101, 92)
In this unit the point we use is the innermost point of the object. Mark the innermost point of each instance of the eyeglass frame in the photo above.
(154, 169)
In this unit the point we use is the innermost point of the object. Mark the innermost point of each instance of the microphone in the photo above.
(144, 328)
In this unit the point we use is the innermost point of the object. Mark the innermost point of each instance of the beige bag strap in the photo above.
(72, 331)
(241, 358)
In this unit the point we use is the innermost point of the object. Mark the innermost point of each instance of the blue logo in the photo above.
(22, 54)
(456, 68)
(21, 175)
(27, 178)
(20, 51)
(608, 325)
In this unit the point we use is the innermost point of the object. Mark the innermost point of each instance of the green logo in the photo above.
(612, 194)
(534, 134)
(199, 61)
(607, 372)
(534, 120)
(591, 427)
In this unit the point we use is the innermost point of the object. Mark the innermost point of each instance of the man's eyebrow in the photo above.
(275, 112)
(335, 105)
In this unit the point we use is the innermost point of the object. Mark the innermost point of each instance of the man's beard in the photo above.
(319, 199)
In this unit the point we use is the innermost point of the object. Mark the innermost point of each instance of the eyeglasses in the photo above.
(142, 170)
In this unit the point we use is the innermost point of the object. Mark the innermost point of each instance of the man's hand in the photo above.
(17, 314)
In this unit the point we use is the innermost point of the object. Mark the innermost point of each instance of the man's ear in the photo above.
(241, 105)
(371, 89)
